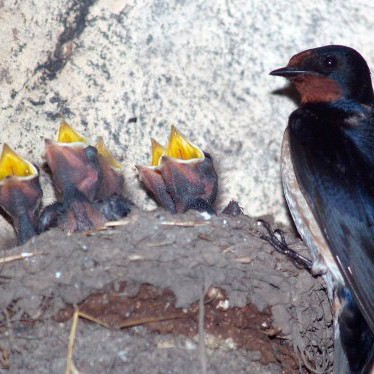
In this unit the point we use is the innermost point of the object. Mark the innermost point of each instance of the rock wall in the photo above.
(129, 69)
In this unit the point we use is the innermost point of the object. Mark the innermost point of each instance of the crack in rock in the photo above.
(74, 22)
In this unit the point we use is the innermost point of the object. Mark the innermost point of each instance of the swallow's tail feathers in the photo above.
(341, 365)
(354, 341)
(360, 358)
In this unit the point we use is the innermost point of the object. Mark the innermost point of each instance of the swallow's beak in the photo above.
(181, 177)
(112, 178)
(289, 72)
(66, 134)
(13, 165)
(20, 192)
(157, 150)
(180, 148)
(73, 163)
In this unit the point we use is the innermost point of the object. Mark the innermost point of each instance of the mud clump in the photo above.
(257, 311)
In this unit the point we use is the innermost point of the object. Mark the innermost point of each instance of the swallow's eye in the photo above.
(91, 153)
(329, 62)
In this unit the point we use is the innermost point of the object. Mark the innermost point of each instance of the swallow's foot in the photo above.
(277, 240)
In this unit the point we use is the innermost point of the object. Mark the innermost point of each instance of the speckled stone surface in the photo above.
(129, 69)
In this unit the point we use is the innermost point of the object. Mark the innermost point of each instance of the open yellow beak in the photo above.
(104, 152)
(13, 165)
(157, 150)
(66, 134)
(181, 175)
(178, 147)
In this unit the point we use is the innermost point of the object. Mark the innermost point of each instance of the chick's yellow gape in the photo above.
(12, 165)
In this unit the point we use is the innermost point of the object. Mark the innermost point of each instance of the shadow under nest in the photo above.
(257, 311)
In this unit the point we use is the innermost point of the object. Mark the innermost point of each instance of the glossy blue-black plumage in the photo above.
(334, 164)
(354, 333)
(331, 137)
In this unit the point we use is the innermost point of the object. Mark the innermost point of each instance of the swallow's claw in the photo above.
(277, 240)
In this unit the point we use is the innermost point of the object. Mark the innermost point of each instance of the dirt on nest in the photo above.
(228, 302)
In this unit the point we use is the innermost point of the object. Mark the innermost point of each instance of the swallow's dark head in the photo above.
(329, 73)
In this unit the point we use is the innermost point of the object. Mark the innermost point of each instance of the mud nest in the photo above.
(229, 303)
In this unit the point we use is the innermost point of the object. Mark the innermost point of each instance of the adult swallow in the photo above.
(181, 175)
(20, 193)
(328, 181)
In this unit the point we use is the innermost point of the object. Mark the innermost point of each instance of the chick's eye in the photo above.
(329, 62)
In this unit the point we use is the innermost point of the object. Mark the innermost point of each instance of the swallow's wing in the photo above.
(334, 165)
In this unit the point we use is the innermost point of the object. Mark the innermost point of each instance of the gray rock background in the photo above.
(129, 69)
